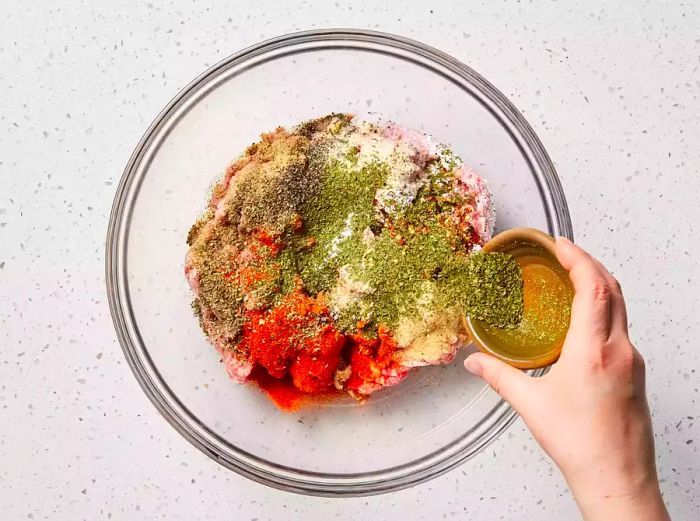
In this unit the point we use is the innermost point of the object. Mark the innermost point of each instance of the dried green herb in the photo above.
(336, 217)
(494, 288)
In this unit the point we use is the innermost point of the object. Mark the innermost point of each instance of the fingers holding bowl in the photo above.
(590, 309)
(598, 309)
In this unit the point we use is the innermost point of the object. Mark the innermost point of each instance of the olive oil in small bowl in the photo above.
(547, 294)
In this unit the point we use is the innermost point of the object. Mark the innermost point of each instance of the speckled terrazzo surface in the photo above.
(613, 93)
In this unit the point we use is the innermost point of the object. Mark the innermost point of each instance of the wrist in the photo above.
(616, 478)
(646, 504)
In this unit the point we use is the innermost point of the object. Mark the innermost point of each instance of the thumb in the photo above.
(513, 385)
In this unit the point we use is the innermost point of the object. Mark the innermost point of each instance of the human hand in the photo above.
(590, 412)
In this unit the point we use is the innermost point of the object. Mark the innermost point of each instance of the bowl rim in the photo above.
(157, 390)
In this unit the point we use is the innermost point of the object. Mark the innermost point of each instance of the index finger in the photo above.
(618, 309)
(591, 307)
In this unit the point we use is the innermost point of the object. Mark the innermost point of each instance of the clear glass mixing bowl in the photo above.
(439, 416)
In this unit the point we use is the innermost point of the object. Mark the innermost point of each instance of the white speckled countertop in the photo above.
(611, 89)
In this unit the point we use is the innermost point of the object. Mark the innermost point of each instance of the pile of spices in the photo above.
(322, 242)
(494, 289)
(297, 338)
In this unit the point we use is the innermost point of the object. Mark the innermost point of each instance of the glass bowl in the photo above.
(439, 416)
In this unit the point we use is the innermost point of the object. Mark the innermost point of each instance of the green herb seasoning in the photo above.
(336, 217)
(495, 289)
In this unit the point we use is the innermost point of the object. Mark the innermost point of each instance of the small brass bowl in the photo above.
(538, 340)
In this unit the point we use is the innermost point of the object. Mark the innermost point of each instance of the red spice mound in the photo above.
(295, 337)
(316, 363)
(370, 358)
(298, 351)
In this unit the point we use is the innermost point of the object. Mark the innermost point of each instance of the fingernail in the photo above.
(563, 239)
(473, 365)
